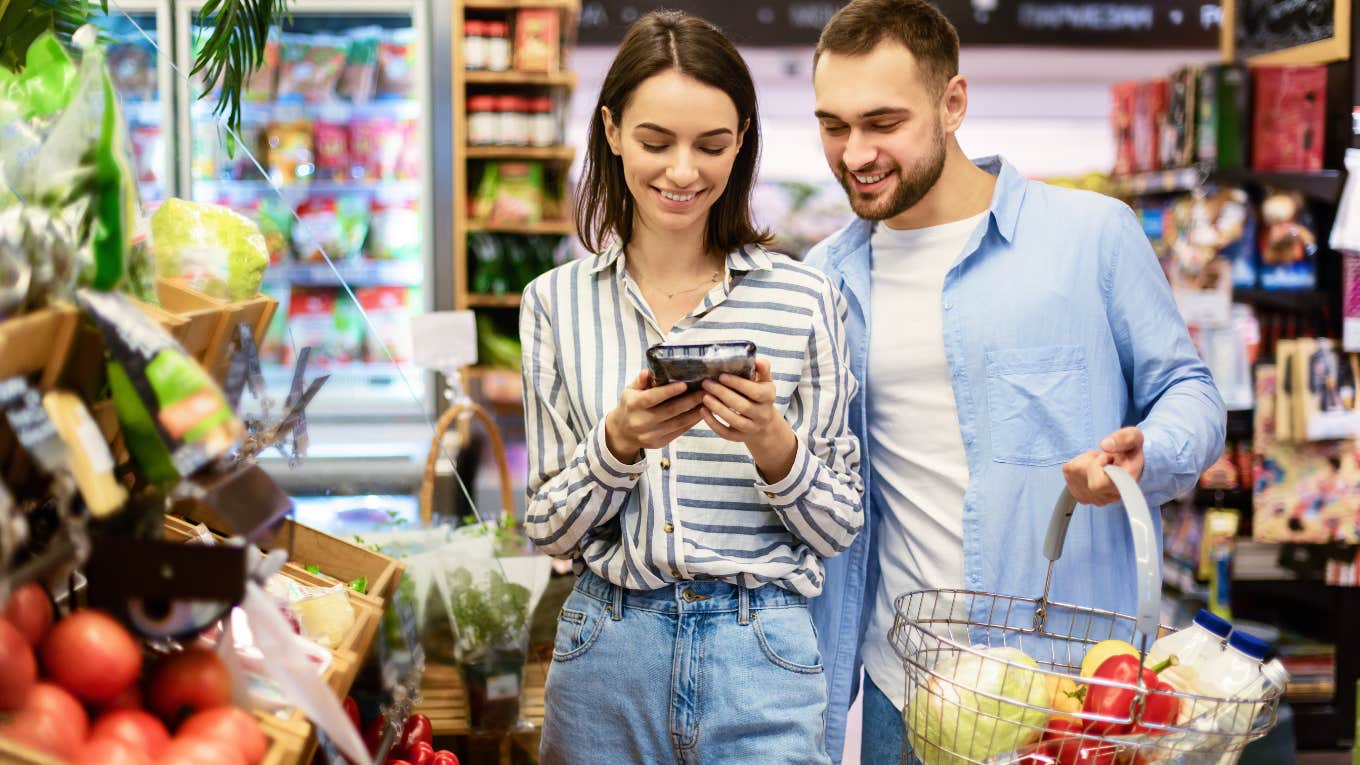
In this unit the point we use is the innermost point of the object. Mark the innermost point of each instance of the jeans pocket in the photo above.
(578, 626)
(1039, 404)
(787, 638)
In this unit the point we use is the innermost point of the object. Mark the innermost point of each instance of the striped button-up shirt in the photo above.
(696, 508)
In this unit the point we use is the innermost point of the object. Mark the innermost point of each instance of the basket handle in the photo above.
(1145, 552)
(451, 415)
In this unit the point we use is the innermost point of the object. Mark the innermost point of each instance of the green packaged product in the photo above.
(174, 417)
(213, 248)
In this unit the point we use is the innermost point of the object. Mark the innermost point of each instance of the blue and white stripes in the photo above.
(697, 508)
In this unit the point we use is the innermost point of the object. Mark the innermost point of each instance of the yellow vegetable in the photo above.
(1102, 651)
(1067, 697)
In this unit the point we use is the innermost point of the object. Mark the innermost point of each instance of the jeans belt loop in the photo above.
(616, 593)
(743, 606)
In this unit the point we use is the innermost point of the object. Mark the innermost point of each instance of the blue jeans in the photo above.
(697, 672)
(881, 734)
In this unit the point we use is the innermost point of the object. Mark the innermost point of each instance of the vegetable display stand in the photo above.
(37, 342)
(219, 317)
(342, 560)
(981, 669)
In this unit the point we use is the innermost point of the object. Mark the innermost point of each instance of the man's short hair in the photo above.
(917, 25)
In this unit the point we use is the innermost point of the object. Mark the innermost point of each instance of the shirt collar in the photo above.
(1008, 195)
(749, 258)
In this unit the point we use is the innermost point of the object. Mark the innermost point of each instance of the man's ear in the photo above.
(611, 131)
(954, 103)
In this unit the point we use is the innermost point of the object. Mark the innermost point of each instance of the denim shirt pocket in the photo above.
(1039, 404)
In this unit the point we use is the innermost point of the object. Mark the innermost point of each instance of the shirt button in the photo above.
(632, 476)
(769, 495)
(675, 573)
(665, 464)
(668, 528)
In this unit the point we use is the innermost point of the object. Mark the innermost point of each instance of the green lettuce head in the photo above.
(215, 249)
(955, 711)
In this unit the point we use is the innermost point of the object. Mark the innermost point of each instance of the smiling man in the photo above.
(1010, 338)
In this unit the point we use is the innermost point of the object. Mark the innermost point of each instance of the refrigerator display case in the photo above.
(332, 161)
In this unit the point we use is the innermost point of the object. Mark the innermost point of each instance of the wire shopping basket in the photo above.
(984, 671)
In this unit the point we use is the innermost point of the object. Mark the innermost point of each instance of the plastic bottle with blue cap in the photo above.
(1241, 674)
(1196, 645)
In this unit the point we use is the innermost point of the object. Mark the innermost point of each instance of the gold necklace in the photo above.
(714, 279)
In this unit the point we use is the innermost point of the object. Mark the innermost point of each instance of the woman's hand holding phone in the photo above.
(650, 418)
(747, 408)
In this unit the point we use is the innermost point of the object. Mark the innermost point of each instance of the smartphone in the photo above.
(692, 364)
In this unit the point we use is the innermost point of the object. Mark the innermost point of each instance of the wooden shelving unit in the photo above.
(468, 158)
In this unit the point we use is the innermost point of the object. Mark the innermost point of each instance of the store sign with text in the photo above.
(1074, 23)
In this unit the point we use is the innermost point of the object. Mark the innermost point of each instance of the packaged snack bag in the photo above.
(389, 312)
(289, 157)
(331, 141)
(174, 417)
(311, 324)
(394, 229)
(359, 79)
(397, 64)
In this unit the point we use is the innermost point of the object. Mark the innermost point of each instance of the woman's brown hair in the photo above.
(658, 42)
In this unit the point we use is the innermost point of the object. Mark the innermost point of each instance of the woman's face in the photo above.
(678, 139)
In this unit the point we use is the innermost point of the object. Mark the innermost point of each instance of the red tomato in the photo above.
(199, 751)
(110, 751)
(51, 721)
(135, 727)
(30, 610)
(18, 669)
(128, 699)
(191, 680)
(92, 656)
(444, 757)
(53, 699)
(231, 726)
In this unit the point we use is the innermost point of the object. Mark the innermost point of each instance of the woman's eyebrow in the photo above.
(666, 131)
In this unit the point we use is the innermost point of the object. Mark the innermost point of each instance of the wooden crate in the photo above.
(14, 753)
(220, 318)
(288, 739)
(443, 698)
(38, 343)
(345, 561)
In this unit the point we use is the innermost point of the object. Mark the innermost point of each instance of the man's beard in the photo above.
(910, 188)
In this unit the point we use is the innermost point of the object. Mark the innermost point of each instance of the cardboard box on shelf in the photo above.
(537, 35)
(1149, 113)
(1121, 121)
(1224, 116)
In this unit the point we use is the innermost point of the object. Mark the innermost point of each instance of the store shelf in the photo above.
(1239, 499)
(564, 227)
(335, 111)
(1290, 300)
(546, 153)
(537, 79)
(360, 273)
(308, 187)
(1324, 185)
(493, 301)
(502, 5)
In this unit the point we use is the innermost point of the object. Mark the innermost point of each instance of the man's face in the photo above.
(881, 129)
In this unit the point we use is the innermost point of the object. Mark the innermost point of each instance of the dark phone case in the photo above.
(692, 364)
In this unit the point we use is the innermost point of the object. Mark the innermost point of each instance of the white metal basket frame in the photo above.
(924, 634)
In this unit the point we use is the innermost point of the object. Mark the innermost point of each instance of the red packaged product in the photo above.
(1149, 111)
(1288, 121)
(311, 323)
(1121, 119)
(375, 145)
(331, 146)
(397, 65)
(408, 159)
(389, 315)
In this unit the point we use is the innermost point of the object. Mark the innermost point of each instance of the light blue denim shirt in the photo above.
(1059, 328)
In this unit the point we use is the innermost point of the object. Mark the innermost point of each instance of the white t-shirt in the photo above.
(915, 447)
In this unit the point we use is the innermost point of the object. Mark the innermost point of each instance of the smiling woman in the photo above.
(697, 521)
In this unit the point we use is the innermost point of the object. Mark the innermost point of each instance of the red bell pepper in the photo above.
(420, 754)
(373, 733)
(444, 757)
(1110, 701)
(352, 711)
(417, 730)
